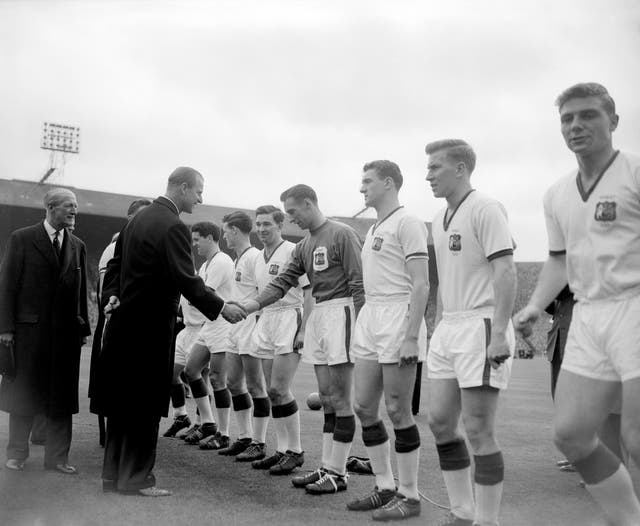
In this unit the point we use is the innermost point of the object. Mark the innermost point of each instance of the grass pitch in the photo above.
(214, 490)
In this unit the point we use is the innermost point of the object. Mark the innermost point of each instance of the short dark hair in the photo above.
(299, 192)
(386, 169)
(456, 149)
(276, 213)
(588, 89)
(184, 174)
(137, 205)
(240, 220)
(207, 228)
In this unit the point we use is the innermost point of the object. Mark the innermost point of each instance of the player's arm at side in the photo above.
(307, 307)
(552, 279)
(180, 267)
(439, 306)
(418, 269)
(495, 238)
(413, 237)
(350, 248)
(504, 278)
(553, 276)
(279, 285)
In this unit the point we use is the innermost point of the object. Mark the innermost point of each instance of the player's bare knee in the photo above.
(481, 439)
(399, 412)
(236, 386)
(255, 391)
(442, 427)
(341, 401)
(366, 414)
(326, 401)
(217, 382)
(191, 374)
(276, 394)
(571, 441)
(401, 417)
(630, 434)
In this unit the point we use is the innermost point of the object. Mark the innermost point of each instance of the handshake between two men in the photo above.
(232, 311)
(235, 312)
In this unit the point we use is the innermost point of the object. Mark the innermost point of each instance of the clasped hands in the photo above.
(234, 311)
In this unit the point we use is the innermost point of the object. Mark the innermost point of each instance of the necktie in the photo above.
(56, 244)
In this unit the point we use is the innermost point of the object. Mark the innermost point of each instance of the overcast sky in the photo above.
(262, 95)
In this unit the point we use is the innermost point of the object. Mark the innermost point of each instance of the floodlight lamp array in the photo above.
(60, 138)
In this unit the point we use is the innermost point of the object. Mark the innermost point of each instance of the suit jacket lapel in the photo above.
(44, 246)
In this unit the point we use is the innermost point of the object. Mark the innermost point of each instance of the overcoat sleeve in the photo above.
(83, 311)
(180, 267)
(10, 279)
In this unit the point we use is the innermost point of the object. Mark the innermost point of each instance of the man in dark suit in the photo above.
(151, 267)
(43, 315)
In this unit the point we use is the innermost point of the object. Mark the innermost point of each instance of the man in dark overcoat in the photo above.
(43, 315)
(96, 347)
(151, 267)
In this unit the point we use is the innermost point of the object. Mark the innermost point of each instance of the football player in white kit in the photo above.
(390, 337)
(206, 350)
(593, 223)
(471, 349)
(279, 334)
(236, 228)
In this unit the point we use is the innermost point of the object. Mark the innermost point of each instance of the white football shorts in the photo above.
(184, 341)
(380, 330)
(327, 337)
(276, 331)
(458, 350)
(604, 340)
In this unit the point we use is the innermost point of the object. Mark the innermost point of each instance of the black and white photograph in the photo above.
(328, 263)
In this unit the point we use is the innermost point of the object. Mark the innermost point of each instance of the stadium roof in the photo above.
(30, 194)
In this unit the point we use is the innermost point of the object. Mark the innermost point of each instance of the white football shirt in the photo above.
(268, 268)
(599, 230)
(245, 286)
(389, 244)
(465, 242)
(218, 274)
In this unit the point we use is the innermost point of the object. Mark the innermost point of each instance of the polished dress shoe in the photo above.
(66, 469)
(15, 464)
(147, 492)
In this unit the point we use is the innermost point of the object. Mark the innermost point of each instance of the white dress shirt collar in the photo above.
(52, 231)
(171, 201)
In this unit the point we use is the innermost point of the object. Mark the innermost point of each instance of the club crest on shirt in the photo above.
(238, 275)
(605, 211)
(455, 242)
(273, 269)
(377, 244)
(320, 259)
